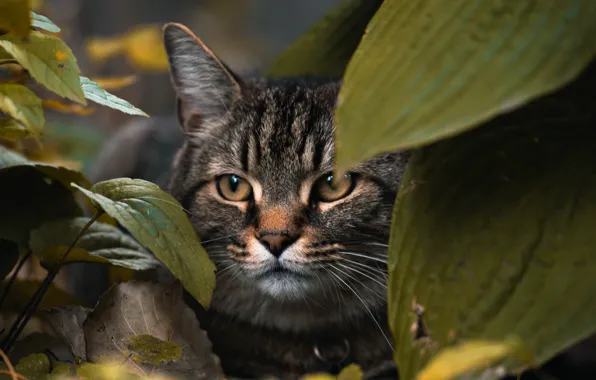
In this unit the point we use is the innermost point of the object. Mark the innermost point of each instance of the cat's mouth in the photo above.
(280, 271)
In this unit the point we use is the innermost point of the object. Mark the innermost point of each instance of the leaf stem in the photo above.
(20, 323)
(14, 276)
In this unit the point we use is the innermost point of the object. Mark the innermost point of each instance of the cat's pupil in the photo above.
(234, 182)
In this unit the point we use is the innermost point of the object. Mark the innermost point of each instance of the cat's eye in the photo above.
(233, 188)
(330, 189)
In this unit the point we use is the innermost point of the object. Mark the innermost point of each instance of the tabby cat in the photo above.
(300, 252)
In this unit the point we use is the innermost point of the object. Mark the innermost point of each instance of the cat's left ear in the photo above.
(205, 87)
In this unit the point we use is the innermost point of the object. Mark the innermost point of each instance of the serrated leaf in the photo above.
(430, 70)
(37, 193)
(101, 243)
(326, 48)
(99, 95)
(9, 255)
(42, 22)
(10, 129)
(49, 61)
(22, 104)
(491, 236)
(158, 222)
(14, 17)
(136, 308)
(469, 357)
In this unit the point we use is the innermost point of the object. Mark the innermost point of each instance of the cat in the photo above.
(300, 250)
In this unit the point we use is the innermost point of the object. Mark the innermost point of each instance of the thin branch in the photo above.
(14, 276)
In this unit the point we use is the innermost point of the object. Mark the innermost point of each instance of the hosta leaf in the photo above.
(49, 61)
(42, 22)
(492, 236)
(14, 17)
(33, 193)
(9, 255)
(98, 95)
(326, 48)
(428, 70)
(158, 222)
(101, 243)
(22, 104)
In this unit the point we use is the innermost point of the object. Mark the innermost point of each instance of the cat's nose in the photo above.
(276, 243)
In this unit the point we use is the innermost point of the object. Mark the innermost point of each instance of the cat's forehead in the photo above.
(283, 131)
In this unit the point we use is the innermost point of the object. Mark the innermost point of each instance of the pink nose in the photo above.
(276, 243)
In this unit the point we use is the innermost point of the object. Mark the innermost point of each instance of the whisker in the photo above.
(218, 238)
(364, 274)
(368, 268)
(364, 256)
(360, 283)
(366, 307)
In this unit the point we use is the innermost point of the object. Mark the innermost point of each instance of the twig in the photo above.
(11, 370)
(20, 323)
(14, 276)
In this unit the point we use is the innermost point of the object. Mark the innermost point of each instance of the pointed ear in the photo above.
(206, 88)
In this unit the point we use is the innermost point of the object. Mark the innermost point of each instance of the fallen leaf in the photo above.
(67, 322)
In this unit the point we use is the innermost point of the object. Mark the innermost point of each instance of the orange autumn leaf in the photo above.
(115, 83)
(70, 108)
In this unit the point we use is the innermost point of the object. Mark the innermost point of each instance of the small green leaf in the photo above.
(101, 243)
(10, 129)
(99, 95)
(429, 70)
(326, 48)
(492, 236)
(9, 255)
(34, 367)
(158, 222)
(49, 61)
(33, 193)
(14, 17)
(42, 22)
(351, 372)
(22, 104)
(147, 349)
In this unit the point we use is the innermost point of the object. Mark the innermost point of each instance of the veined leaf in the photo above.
(99, 95)
(35, 193)
(49, 61)
(42, 22)
(158, 222)
(22, 104)
(10, 129)
(429, 70)
(101, 243)
(14, 17)
(507, 207)
(326, 48)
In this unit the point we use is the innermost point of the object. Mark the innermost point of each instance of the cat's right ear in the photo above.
(205, 87)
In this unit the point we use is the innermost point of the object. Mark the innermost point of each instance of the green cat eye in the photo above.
(330, 189)
(233, 188)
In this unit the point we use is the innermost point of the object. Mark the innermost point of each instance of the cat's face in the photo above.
(256, 174)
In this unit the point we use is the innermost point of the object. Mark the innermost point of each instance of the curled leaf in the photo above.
(42, 22)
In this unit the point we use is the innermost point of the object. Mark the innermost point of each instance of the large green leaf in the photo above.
(101, 243)
(49, 61)
(33, 193)
(10, 129)
(14, 17)
(9, 255)
(158, 222)
(99, 95)
(22, 104)
(431, 69)
(492, 236)
(326, 48)
(42, 22)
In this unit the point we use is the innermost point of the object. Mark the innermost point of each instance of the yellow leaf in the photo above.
(14, 17)
(142, 46)
(22, 104)
(76, 109)
(35, 4)
(114, 83)
(11, 129)
(49, 61)
(50, 154)
(318, 376)
(351, 372)
(470, 356)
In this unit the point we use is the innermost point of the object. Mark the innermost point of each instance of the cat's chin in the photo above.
(285, 285)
